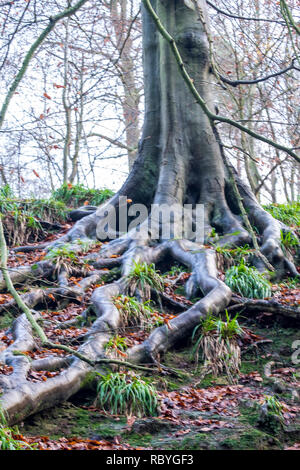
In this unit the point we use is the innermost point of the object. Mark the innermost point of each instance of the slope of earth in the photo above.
(194, 412)
(209, 415)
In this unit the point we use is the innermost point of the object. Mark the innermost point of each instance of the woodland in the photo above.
(123, 335)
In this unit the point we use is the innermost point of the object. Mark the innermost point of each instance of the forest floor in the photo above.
(194, 414)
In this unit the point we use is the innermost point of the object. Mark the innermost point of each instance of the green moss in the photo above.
(89, 381)
(6, 320)
(140, 440)
(249, 413)
(251, 439)
(199, 441)
(112, 275)
(90, 424)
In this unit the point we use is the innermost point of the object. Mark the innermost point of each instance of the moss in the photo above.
(92, 424)
(249, 413)
(140, 440)
(272, 424)
(210, 381)
(6, 320)
(112, 275)
(251, 439)
(241, 437)
(89, 380)
(199, 441)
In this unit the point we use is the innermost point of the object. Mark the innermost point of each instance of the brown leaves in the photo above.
(68, 333)
(47, 96)
(72, 443)
(5, 298)
(130, 421)
(41, 375)
(6, 370)
(7, 338)
(15, 259)
(221, 400)
(182, 432)
(286, 295)
(295, 446)
(42, 353)
(252, 376)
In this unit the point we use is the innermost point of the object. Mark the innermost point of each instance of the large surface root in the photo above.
(204, 277)
(270, 231)
(20, 397)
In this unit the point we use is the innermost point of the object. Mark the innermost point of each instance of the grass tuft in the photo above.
(126, 394)
(247, 281)
(144, 277)
(133, 312)
(116, 346)
(273, 405)
(218, 341)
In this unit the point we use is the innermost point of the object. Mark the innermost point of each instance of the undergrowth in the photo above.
(126, 394)
(63, 257)
(66, 257)
(247, 281)
(10, 437)
(218, 340)
(116, 346)
(237, 254)
(288, 240)
(77, 195)
(273, 405)
(288, 213)
(133, 312)
(22, 217)
(143, 277)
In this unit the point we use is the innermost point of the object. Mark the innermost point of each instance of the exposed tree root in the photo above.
(261, 305)
(20, 397)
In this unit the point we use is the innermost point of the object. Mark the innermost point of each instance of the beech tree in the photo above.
(181, 160)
